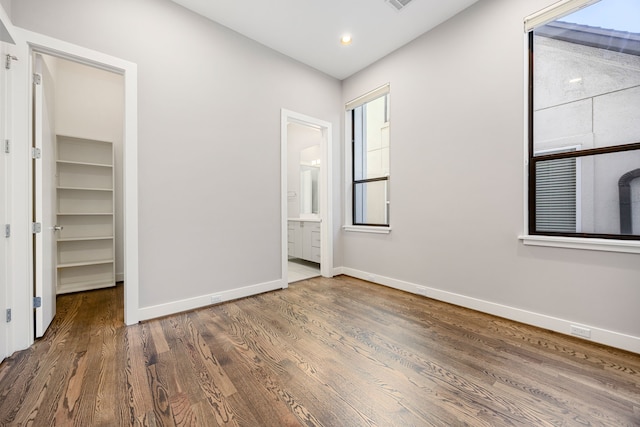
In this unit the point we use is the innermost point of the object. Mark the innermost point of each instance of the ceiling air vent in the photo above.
(398, 4)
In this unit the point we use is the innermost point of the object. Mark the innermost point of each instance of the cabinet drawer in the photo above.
(315, 239)
(315, 254)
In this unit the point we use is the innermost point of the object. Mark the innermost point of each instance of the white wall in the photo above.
(209, 103)
(457, 183)
(90, 104)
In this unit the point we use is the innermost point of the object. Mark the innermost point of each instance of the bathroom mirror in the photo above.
(309, 173)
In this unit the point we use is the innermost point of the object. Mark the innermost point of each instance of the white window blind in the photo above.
(556, 193)
(553, 12)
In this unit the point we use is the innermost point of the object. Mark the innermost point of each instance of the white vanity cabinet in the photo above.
(303, 237)
(85, 213)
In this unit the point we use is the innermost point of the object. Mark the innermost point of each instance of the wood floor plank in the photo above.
(160, 396)
(324, 352)
(137, 399)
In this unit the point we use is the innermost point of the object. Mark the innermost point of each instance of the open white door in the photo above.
(3, 206)
(44, 197)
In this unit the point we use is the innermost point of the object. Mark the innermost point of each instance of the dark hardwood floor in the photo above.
(331, 352)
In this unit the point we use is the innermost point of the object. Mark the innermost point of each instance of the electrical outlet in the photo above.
(216, 299)
(580, 331)
(421, 290)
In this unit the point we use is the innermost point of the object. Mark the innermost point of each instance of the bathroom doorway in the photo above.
(306, 209)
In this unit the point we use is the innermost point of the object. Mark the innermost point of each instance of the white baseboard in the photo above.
(563, 326)
(338, 271)
(151, 312)
(119, 277)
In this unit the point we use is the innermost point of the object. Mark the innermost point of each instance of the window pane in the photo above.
(371, 139)
(587, 79)
(371, 203)
(597, 194)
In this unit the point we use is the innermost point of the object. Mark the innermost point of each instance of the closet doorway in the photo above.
(306, 202)
(78, 123)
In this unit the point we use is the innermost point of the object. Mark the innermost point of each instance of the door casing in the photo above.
(27, 43)
(46, 45)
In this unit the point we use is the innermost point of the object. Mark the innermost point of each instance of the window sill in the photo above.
(607, 245)
(367, 229)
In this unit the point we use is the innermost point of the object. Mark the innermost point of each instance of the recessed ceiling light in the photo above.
(398, 5)
(345, 40)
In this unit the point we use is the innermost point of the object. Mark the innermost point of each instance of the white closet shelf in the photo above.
(83, 263)
(84, 213)
(69, 162)
(85, 188)
(80, 239)
(65, 288)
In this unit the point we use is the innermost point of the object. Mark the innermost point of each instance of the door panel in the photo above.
(4, 244)
(44, 197)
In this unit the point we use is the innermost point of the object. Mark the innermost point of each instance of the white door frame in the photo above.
(326, 205)
(33, 42)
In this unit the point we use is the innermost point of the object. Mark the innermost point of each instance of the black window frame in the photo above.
(534, 159)
(355, 182)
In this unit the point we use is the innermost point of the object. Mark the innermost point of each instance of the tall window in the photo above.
(584, 120)
(370, 156)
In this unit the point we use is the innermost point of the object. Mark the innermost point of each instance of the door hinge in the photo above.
(7, 230)
(36, 227)
(8, 315)
(7, 63)
(37, 78)
(36, 153)
(37, 302)
(7, 146)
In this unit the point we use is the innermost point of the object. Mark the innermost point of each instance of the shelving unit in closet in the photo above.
(85, 213)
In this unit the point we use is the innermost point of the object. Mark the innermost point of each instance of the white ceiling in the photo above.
(310, 30)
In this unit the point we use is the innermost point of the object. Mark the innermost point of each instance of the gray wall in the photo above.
(457, 179)
(209, 137)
